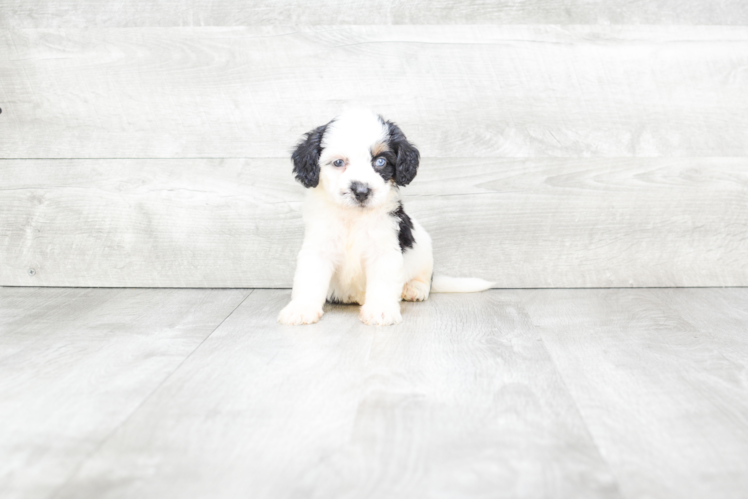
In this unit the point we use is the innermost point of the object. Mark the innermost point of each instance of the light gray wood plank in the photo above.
(666, 401)
(80, 362)
(236, 223)
(457, 91)
(722, 315)
(464, 401)
(39, 310)
(16, 308)
(90, 13)
(460, 400)
(256, 399)
(204, 223)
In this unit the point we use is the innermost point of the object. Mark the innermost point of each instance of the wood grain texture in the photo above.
(660, 378)
(140, 13)
(264, 401)
(237, 223)
(460, 400)
(721, 315)
(457, 91)
(76, 363)
(523, 393)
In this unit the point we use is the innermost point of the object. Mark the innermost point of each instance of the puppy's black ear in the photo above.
(408, 157)
(306, 157)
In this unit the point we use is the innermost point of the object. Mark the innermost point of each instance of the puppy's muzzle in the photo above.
(360, 190)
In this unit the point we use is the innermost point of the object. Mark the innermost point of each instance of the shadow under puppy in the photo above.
(360, 247)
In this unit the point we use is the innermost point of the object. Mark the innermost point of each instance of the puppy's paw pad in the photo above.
(380, 316)
(296, 313)
(416, 291)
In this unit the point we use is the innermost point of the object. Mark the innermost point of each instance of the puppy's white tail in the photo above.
(445, 284)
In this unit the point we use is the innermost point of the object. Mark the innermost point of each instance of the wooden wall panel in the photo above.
(236, 222)
(457, 91)
(141, 13)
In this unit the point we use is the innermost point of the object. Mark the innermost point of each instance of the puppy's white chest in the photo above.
(351, 273)
(363, 241)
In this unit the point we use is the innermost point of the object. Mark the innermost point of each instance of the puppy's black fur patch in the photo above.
(407, 156)
(306, 157)
(405, 231)
(388, 171)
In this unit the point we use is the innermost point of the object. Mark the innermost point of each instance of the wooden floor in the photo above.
(508, 393)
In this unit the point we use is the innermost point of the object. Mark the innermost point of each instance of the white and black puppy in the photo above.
(360, 247)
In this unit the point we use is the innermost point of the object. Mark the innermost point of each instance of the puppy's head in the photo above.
(357, 159)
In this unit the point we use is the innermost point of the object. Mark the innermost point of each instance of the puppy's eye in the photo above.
(380, 162)
(338, 163)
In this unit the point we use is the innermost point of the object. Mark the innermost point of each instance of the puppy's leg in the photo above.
(384, 284)
(417, 289)
(310, 284)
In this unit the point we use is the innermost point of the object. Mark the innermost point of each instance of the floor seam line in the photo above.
(135, 410)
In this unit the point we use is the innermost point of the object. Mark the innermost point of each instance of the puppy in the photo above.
(360, 247)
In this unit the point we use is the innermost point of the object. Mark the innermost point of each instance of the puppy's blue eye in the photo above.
(338, 163)
(380, 162)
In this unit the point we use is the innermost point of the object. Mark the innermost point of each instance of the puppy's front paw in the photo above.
(416, 291)
(300, 313)
(380, 314)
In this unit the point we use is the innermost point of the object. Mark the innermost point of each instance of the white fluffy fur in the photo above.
(351, 252)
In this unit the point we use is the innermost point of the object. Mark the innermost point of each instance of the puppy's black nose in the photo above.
(360, 190)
